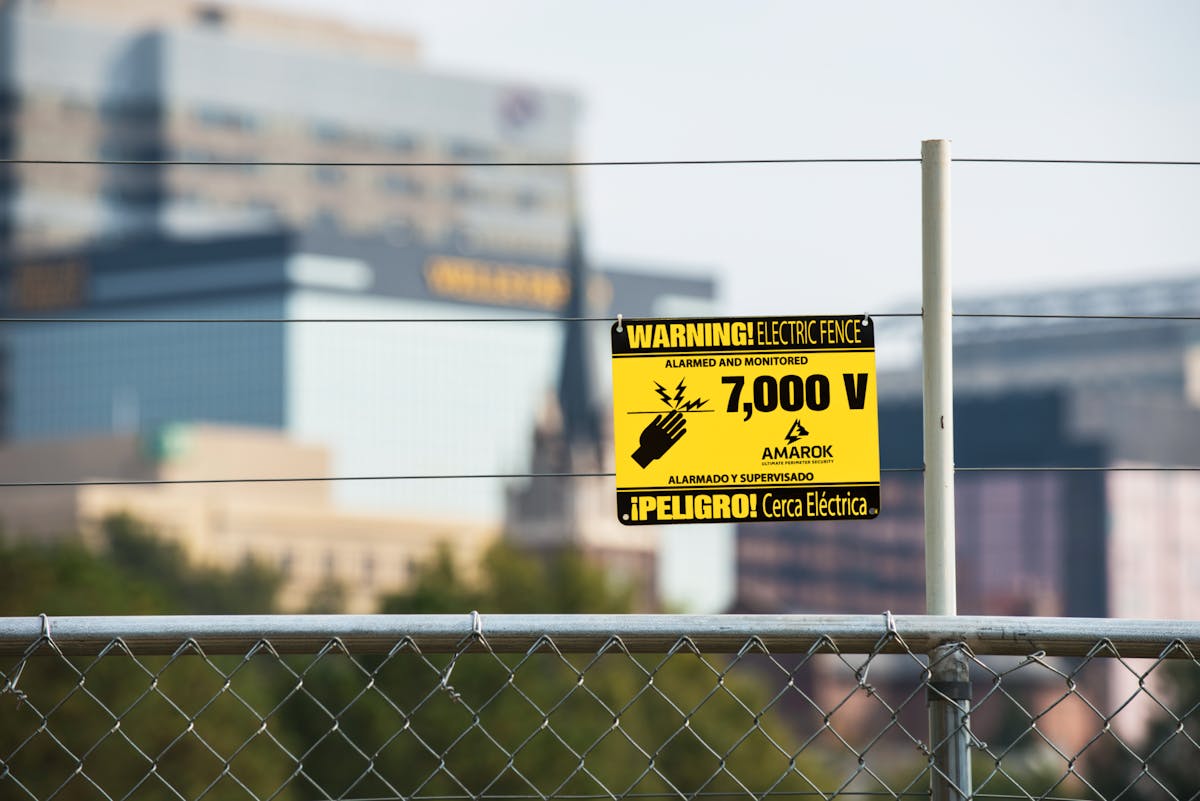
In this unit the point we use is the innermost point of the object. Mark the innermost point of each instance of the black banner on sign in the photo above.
(758, 504)
(744, 335)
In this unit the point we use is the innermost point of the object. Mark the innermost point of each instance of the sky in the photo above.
(701, 79)
(698, 79)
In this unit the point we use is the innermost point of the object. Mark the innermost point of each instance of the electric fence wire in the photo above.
(552, 319)
(468, 476)
(626, 163)
(151, 482)
(613, 163)
(609, 319)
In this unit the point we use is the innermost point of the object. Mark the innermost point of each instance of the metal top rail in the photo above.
(236, 634)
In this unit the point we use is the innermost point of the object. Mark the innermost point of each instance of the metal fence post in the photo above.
(949, 681)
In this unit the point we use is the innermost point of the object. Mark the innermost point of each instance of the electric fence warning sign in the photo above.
(765, 419)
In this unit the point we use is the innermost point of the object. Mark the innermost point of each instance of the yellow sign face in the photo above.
(757, 419)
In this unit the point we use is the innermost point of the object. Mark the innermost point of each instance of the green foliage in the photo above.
(136, 573)
(540, 723)
(328, 598)
(154, 699)
(1169, 747)
(511, 583)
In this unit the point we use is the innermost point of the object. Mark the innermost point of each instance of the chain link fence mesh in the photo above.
(571, 718)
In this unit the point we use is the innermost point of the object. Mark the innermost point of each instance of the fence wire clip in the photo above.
(10, 686)
(476, 634)
(446, 686)
(620, 321)
(890, 623)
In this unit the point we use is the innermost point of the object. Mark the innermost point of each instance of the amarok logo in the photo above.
(795, 432)
(785, 452)
(792, 451)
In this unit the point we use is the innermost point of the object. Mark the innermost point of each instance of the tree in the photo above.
(119, 713)
(1166, 762)
(545, 722)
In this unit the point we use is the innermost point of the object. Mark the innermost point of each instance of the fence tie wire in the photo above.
(10, 686)
(476, 636)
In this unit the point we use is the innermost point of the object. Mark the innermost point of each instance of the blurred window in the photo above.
(328, 175)
(329, 132)
(402, 142)
(401, 184)
(462, 150)
(527, 199)
(225, 118)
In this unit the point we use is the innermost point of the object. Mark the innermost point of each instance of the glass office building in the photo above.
(448, 380)
(1109, 400)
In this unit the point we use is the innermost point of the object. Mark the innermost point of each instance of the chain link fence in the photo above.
(441, 708)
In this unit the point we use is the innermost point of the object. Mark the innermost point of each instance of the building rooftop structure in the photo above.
(181, 81)
(244, 21)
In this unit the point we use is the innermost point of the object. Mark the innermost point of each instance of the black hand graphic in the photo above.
(658, 437)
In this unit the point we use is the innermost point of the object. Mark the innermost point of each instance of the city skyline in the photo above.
(184, 105)
(778, 80)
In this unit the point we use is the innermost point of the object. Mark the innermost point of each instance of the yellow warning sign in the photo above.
(745, 419)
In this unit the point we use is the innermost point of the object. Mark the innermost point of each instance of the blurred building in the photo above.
(1048, 392)
(391, 397)
(1051, 392)
(569, 502)
(230, 87)
(295, 528)
(180, 80)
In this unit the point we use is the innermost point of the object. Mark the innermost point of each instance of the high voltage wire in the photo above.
(290, 479)
(153, 482)
(608, 319)
(1115, 162)
(615, 163)
(1064, 316)
(623, 163)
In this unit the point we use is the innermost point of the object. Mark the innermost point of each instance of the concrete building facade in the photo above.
(296, 529)
(179, 80)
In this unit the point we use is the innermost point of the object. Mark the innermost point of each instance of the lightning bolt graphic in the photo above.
(662, 393)
(678, 401)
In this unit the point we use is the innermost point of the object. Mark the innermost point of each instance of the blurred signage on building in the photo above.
(478, 281)
(515, 285)
(745, 419)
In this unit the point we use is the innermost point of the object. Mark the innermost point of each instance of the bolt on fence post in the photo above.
(949, 678)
